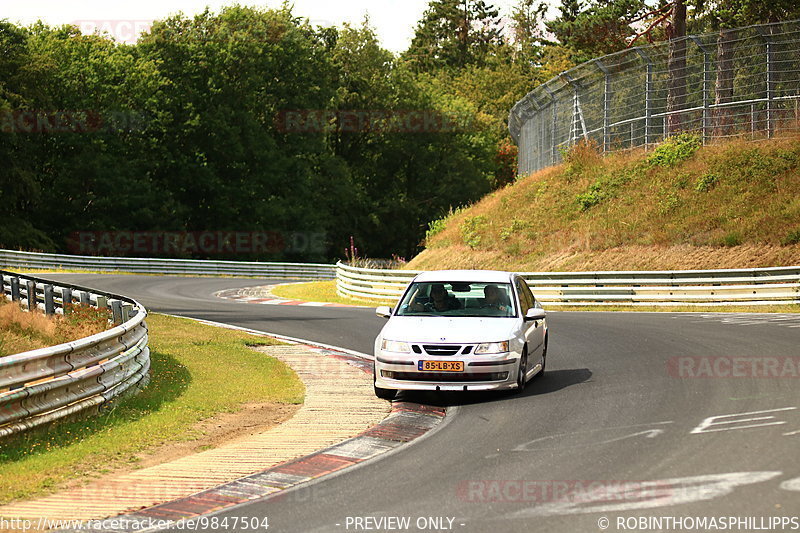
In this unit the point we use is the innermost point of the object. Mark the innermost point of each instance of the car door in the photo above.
(534, 329)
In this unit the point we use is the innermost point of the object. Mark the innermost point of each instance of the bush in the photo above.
(592, 197)
(580, 157)
(516, 225)
(674, 150)
(732, 239)
(471, 229)
(706, 182)
(793, 237)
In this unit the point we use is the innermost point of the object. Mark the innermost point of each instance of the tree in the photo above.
(527, 18)
(676, 66)
(407, 170)
(597, 28)
(453, 34)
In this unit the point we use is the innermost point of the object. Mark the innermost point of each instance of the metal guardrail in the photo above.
(755, 286)
(300, 271)
(44, 385)
(742, 82)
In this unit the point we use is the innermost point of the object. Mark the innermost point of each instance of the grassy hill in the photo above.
(680, 206)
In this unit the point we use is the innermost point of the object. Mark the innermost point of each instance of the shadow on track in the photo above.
(551, 381)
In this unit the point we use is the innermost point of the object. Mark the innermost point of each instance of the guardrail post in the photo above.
(31, 295)
(116, 311)
(49, 301)
(66, 300)
(102, 302)
(15, 289)
(127, 312)
(84, 298)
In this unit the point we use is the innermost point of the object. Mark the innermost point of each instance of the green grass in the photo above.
(198, 371)
(320, 291)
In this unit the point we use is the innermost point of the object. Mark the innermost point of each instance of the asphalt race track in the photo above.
(640, 417)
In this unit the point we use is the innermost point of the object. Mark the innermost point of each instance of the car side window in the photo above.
(531, 297)
(525, 299)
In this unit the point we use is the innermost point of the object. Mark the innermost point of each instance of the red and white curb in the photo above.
(406, 423)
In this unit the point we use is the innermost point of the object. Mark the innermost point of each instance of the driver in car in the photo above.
(440, 300)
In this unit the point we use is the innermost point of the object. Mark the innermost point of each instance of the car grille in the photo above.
(441, 349)
(445, 377)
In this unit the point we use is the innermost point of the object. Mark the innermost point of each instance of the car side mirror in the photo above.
(384, 311)
(535, 313)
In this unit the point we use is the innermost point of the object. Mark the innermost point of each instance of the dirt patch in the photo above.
(222, 429)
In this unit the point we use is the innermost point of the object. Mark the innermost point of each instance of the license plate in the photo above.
(440, 366)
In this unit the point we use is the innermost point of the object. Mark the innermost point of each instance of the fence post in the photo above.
(555, 121)
(606, 104)
(648, 95)
(31, 295)
(49, 301)
(767, 36)
(706, 87)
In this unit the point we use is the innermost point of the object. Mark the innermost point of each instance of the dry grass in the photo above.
(21, 330)
(727, 206)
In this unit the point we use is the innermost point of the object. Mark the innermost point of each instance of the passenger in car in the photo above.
(494, 298)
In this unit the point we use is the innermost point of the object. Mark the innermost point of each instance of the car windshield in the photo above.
(468, 299)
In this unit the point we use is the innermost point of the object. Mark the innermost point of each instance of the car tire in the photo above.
(523, 369)
(383, 394)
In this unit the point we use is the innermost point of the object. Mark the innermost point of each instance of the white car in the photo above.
(461, 330)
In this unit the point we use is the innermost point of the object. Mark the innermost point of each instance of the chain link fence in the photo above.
(742, 82)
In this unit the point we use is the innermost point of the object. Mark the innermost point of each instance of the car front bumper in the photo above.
(481, 372)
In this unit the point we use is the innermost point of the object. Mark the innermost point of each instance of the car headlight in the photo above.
(492, 347)
(395, 346)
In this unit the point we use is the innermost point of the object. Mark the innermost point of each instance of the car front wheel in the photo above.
(544, 359)
(523, 370)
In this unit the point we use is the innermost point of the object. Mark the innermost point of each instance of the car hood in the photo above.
(449, 329)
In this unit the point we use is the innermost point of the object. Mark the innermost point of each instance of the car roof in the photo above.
(491, 276)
